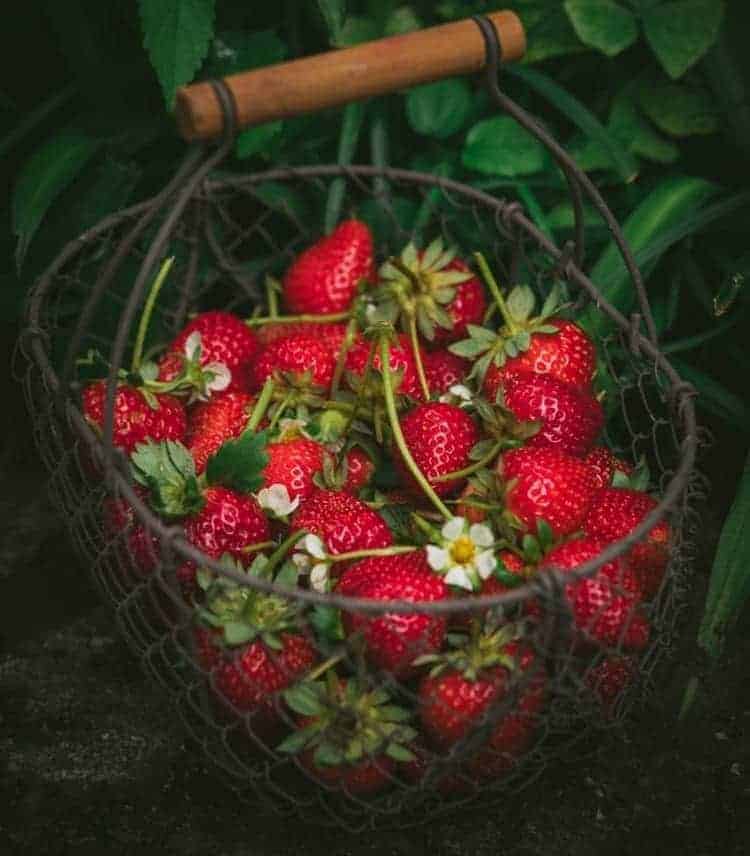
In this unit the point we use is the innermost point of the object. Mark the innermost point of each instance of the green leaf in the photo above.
(715, 398)
(399, 753)
(681, 32)
(439, 109)
(520, 302)
(304, 699)
(239, 463)
(258, 140)
(326, 620)
(602, 24)
(167, 469)
(729, 586)
(43, 177)
(625, 165)
(238, 632)
(355, 30)
(468, 348)
(548, 28)
(402, 20)
(297, 740)
(233, 51)
(502, 147)
(679, 110)
(177, 35)
(666, 204)
(333, 12)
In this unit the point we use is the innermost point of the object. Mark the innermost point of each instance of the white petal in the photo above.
(370, 311)
(314, 546)
(192, 343)
(485, 564)
(302, 560)
(437, 558)
(319, 578)
(276, 499)
(457, 576)
(460, 391)
(453, 528)
(221, 379)
(481, 535)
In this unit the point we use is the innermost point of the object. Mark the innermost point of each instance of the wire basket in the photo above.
(226, 232)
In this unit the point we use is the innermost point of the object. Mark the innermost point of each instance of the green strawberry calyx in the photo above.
(347, 722)
(474, 653)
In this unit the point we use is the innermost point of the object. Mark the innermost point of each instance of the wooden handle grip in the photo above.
(350, 74)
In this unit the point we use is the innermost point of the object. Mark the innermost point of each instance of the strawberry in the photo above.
(433, 289)
(359, 470)
(570, 419)
(614, 513)
(394, 640)
(605, 463)
(473, 684)
(342, 521)
(400, 360)
(444, 370)
(440, 438)
(227, 522)
(508, 563)
(213, 422)
(568, 355)
(609, 679)
(224, 338)
(303, 360)
(546, 484)
(294, 463)
(137, 548)
(330, 334)
(349, 734)
(604, 606)
(324, 278)
(138, 416)
(252, 645)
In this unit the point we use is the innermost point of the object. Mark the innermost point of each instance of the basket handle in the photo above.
(350, 74)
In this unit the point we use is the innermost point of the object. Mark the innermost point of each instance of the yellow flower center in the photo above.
(462, 550)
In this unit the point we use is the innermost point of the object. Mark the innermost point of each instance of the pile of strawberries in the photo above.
(404, 432)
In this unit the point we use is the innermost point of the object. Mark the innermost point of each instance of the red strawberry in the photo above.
(570, 419)
(324, 278)
(227, 522)
(444, 370)
(604, 606)
(343, 522)
(568, 356)
(492, 587)
(213, 422)
(395, 640)
(614, 513)
(137, 548)
(547, 484)
(293, 463)
(225, 338)
(469, 685)
(605, 463)
(400, 359)
(296, 356)
(348, 733)
(330, 334)
(439, 437)
(467, 307)
(135, 421)
(359, 469)
(609, 679)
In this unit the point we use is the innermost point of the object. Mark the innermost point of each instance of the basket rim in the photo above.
(37, 348)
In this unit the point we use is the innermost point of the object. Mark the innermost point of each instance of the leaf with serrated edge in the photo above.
(433, 252)
(520, 302)
(239, 464)
(304, 699)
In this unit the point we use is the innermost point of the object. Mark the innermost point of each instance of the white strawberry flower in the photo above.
(463, 557)
(213, 377)
(289, 428)
(308, 550)
(193, 345)
(457, 391)
(276, 500)
(221, 377)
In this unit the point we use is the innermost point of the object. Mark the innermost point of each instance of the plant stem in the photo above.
(325, 666)
(467, 471)
(376, 551)
(272, 297)
(261, 405)
(351, 125)
(351, 330)
(428, 529)
(280, 552)
(496, 293)
(307, 318)
(390, 404)
(256, 548)
(418, 357)
(283, 404)
(148, 310)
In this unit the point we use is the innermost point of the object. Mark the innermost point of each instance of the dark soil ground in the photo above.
(92, 760)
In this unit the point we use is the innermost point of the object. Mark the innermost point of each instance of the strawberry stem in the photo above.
(272, 297)
(310, 319)
(282, 406)
(361, 391)
(477, 465)
(396, 550)
(148, 311)
(418, 357)
(256, 548)
(390, 404)
(261, 405)
(280, 552)
(325, 666)
(496, 293)
(351, 329)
